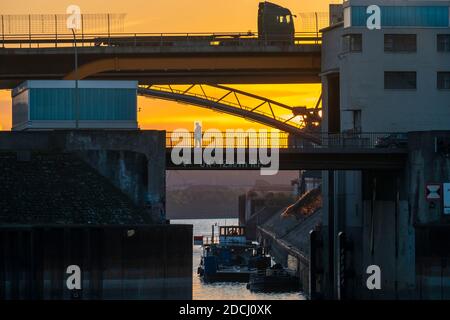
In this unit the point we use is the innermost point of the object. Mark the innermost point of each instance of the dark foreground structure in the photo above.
(116, 262)
(93, 201)
(375, 235)
(397, 221)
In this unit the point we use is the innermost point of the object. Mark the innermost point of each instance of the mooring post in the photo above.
(313, 264)
(331, 259)
(341, 266)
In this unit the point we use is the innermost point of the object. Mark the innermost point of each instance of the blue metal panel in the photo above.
(359, 16)
(107, 104)
(405, 16)
(94, 104)
(51, 104)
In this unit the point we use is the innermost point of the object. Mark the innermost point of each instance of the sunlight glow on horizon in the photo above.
(182, 16)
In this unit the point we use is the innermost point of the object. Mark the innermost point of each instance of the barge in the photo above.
(232, 259)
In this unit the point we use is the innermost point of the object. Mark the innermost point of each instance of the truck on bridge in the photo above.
(275, 27)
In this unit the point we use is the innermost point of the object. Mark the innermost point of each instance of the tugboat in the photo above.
(232, 259)
(274, 279)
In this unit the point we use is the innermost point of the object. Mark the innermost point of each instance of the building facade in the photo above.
(386, 68)
(64, 104)
(401, 70)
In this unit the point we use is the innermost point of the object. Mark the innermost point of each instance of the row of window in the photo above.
(408, 80)
(284, 19)
(406, 43)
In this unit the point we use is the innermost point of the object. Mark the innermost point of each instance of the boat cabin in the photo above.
(232, 235)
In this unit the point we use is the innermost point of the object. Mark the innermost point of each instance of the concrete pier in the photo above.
(94, 200)
(134, 161)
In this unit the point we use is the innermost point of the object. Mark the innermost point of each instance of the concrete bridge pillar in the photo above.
(134, 161)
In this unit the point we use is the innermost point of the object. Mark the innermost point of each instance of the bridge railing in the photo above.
(161, 40)
(268, 139)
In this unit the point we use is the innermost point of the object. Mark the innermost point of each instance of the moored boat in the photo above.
(232, 259)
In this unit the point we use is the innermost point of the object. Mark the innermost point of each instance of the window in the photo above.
(400, 80)
(443, 42)
(357, 121)
(352, 43)
(400, 43)
(284, 19)
(443, 80)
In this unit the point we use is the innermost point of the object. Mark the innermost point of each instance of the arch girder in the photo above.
(236, 109)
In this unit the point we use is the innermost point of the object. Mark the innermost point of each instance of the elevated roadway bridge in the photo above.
(363, 151)
(161, 59)
(348, 151)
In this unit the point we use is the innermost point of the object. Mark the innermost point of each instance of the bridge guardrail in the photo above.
(161, 40)
(282, 140)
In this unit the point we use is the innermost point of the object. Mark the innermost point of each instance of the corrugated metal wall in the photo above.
(406, 16)
(94, 104)
(144, 262)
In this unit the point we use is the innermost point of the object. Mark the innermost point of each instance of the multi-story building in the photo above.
(386, 68)
(396, 78)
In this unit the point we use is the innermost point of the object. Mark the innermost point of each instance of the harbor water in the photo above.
(223, 291)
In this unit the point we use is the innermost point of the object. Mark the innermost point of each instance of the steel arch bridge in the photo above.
(292, 120)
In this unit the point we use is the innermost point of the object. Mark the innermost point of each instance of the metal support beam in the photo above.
(272, 119)
(331, 234)
(213, 63)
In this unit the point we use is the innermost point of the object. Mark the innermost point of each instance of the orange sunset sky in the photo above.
(180, 16)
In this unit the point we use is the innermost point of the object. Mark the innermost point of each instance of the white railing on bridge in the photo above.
(282, 140)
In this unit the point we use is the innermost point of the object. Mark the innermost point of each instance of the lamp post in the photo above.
(76, 80)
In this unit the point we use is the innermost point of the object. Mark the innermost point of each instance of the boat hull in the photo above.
(261, 283)
(227, 277)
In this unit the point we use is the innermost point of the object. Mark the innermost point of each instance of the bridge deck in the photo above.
(334, 152)
(186, 62)
(313, 159)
